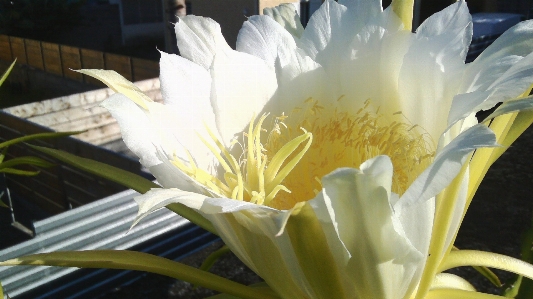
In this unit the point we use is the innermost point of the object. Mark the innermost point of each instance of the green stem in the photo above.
(131, 260)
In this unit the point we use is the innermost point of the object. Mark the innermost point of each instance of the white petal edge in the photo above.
(447, 164)
(287, 16)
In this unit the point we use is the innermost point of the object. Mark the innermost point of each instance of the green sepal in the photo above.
(114, 174)
(213, 257)
(6, 73)
(3, 205)
(27, 160)
(20, 171)
(127, 179)
(38, 136)
(132, 260)
(487, 273)
(3, 155)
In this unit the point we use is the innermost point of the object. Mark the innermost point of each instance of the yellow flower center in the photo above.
(285, 165)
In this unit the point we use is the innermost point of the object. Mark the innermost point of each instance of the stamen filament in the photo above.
(272, 176)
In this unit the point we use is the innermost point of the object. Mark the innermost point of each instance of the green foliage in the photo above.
(522, 287)
(8, 166)
(38, 18)
(6, 73)
(131, 260)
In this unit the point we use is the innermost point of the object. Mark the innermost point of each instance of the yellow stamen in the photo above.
(295, 164)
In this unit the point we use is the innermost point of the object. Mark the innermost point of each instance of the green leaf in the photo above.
(103, 170)
(19, 171)
(131, 260)
(3, 154)
(37, 136)
(6, 73)
(1, 291)
(127, 179)
(27, 160)
(3, 205)
(491, 276)
(213, 257)
(522, 287)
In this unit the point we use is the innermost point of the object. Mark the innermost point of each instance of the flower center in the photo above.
(285, 165)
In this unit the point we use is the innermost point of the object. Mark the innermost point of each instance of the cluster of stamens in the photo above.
(286, 165)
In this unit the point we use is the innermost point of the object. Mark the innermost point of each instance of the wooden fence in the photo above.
(61, 60)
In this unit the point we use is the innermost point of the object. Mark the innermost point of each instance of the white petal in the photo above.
(263, 37)
(513, 106)
(135, 126)
(328, 32)
(286, 15)
(186, 89)
(332, 27)
(242, 84)
(199, 39)
(185, 83)
(169, 176)
(156, 199)
(433, 66)
(358, 203)
(447, 164)
(373, 69)
(503, 71)
(148, 133)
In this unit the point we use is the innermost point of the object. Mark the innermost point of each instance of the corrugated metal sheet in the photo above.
(103, 224)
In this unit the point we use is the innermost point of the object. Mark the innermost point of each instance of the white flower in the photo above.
(318, 154)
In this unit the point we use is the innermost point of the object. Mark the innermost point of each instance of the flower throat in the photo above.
(283, 166)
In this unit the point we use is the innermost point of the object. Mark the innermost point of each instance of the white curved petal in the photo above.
(137, 131)
(417, 223)
(372, 70)
(242, 85)
(447, 164)
(147, 133)
(287, 16)
(508, 85)
(359, 205)
(199, 39)
(503, 71)
(332, 27)
(169, 176)
(263, 37)
(186, 90)
(185, 83)
(328, 33)
(156, 199)
(432, 68)
(513, 106)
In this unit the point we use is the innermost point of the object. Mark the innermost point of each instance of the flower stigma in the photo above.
(283, 166)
